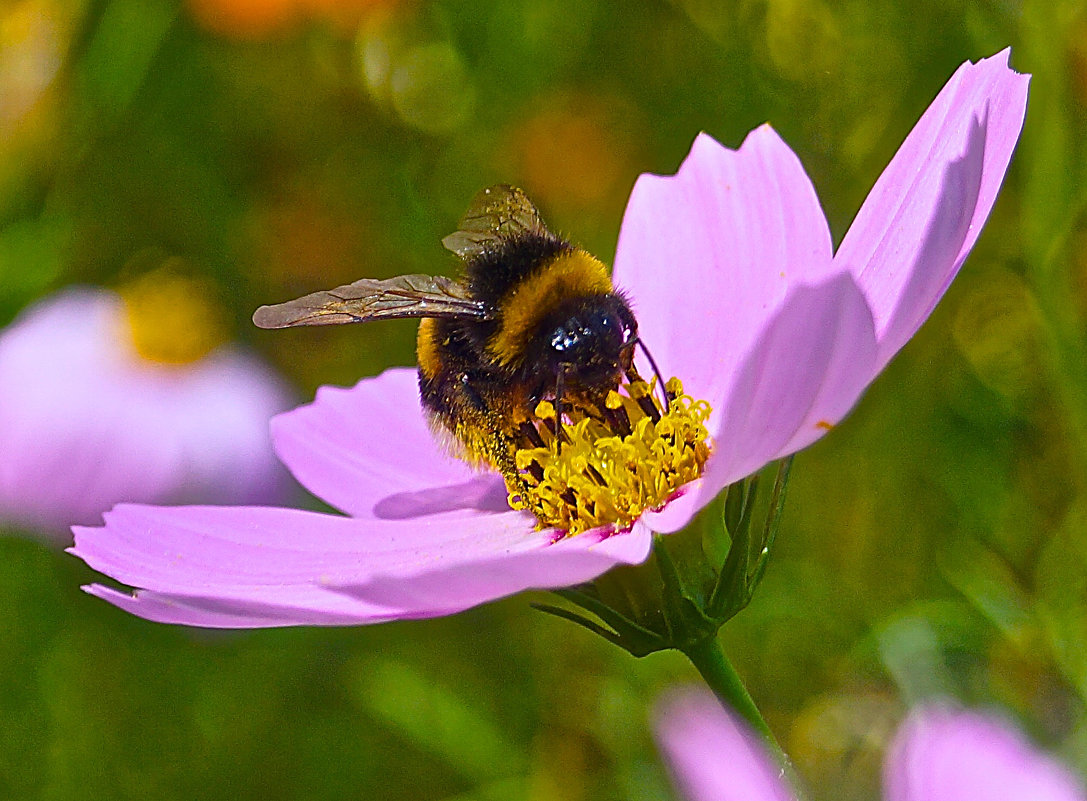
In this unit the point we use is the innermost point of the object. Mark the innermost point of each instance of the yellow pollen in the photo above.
(616, 461)
(171, 318)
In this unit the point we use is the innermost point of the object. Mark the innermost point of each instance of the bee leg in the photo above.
(560, 390)
(504, 460)
(530, 435)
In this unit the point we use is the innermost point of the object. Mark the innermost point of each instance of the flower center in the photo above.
(616, 459)
(170, 317)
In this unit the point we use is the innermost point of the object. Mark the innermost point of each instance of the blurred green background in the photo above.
(935, 542)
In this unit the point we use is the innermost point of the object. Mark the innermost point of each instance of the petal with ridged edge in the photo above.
(708, 255)
(926, 210)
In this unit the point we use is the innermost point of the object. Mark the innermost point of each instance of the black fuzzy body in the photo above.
(481, 401)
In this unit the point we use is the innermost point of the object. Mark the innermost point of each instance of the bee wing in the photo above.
(495, 215)
(374, 299)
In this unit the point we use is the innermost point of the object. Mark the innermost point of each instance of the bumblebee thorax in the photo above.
(543, 301)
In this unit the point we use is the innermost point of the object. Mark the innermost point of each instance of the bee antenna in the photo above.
(560, 390)
(656, 372)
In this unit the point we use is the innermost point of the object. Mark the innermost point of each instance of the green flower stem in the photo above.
(710, 660)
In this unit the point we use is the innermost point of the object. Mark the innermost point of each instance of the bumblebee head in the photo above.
(590, 341)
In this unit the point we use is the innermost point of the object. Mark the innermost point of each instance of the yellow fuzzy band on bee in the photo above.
(426, 349)
(571, 275)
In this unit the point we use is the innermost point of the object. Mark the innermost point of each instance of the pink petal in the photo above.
(713, 757)
(945, 755)
(369, 452)
(925, 212)
(85, 423)
(809, 366)
(260, 566)
(178, 549)
(569, 561)
(707, 255)
(317, 608)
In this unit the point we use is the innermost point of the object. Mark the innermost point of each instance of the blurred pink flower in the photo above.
(737, 290)
(85, 423)
(939, 754)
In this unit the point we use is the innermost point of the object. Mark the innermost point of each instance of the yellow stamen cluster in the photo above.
(614, 462)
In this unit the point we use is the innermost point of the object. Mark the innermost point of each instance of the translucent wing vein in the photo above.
(374, 299)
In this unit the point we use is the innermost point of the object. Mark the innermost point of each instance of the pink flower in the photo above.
(939, 754)
(738, 293)
(85, 423)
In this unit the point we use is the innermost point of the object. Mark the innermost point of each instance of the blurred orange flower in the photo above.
(257, 19)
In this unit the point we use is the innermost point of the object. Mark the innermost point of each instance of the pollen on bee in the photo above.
(617, 459)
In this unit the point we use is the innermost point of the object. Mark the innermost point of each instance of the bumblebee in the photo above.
(534, 319)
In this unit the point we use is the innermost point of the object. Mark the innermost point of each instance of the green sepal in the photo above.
(686, 621)
(732, 582)
(618, 629)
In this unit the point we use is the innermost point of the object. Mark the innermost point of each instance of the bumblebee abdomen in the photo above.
(462, 395)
